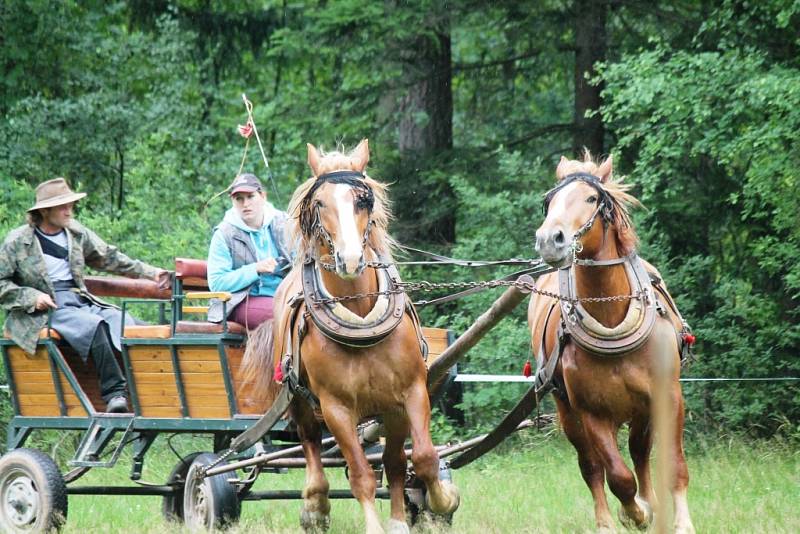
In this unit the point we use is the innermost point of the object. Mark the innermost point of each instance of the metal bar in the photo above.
(62, 406)
(499, 309)
(58, 357)
(226, 377)
(11, 387)
(520, 378)
(380, 493)
(262, 458)
(173, 350)
(126, 360)
(121, 490)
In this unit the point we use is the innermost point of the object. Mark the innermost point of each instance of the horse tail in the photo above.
(257, 364)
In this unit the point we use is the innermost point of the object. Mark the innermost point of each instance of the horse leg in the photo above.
(442, 496)
(394, 464)
(589, 463)
(683, 522)
(342, 423)
(315, 514)
(602, 435)
(640, 444)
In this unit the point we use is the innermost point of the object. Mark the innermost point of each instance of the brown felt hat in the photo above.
(54, 193)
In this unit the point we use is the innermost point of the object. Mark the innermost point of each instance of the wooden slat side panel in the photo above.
(154, 377)
(149, 353)
(31, 374)
(203, 382)
(86, 375)
(437, 342)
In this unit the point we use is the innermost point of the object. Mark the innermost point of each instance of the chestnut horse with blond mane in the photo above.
(618, 335)
(338, 220)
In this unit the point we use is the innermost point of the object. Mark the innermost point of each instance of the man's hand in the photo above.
(44, 302)
(164, 279)
(266, 266)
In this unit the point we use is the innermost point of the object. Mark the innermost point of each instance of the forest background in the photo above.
(467, 105)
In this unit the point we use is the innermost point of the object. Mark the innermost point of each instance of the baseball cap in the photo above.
(245, 183)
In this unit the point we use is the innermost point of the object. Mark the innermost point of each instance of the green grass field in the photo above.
(533, 485)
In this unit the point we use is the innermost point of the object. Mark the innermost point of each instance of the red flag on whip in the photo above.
(246, 130)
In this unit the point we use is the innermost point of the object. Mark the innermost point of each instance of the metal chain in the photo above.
(406, 287)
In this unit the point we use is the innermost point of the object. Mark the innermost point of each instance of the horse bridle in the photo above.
(605, 205)
(312, 226)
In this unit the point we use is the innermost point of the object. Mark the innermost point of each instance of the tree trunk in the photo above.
(426, 110)
(590, 47)
(425, 134)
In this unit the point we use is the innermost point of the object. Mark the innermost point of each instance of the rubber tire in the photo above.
(172, 505)
(222, 506)
(48, 484)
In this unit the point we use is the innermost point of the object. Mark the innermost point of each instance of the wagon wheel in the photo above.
(33, 496)
(211, 503)
(172, 505)
(415, 494)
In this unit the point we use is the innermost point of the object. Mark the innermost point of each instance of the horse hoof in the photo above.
(314, 521)
(643, 518)
(451, 499)
(397, 527)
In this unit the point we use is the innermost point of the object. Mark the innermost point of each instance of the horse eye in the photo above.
(362, 202)
(592, 199)
(320, 204)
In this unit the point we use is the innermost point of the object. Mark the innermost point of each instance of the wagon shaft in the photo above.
(499, 309)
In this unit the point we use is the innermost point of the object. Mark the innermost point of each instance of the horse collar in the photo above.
(343, 326)
(593, 336)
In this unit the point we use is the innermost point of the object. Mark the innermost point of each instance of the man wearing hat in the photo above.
(42, 269)
(248, 255)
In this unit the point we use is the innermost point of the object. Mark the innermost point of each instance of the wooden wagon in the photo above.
(184, 376)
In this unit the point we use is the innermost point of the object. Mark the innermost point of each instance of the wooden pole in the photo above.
(499, 309)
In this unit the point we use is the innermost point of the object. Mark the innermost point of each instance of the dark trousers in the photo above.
(112, 381)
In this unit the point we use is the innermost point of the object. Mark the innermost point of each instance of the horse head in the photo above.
(579, 212)
(340, 211)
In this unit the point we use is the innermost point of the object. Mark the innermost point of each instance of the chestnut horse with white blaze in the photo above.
(339, 219)
(618, 335)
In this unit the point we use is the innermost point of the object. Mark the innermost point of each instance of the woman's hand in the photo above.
(266, 266)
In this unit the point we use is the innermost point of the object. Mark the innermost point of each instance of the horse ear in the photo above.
(360, 156)
(561, 170)
(604, 170)
(313, 159)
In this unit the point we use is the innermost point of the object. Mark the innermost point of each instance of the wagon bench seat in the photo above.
(147, 331)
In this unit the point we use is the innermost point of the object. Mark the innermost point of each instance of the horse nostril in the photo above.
(558, 239)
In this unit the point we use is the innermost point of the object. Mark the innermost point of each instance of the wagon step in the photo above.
(97, 436)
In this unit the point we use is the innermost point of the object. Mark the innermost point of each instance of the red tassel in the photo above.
(246, 130)
(278, 376)
(689, 339)
(527, 371)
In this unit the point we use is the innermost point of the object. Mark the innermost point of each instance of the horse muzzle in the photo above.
(553, 246)
(350, 267)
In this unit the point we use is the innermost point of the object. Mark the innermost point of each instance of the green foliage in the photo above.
(136, 103)
(711, 140)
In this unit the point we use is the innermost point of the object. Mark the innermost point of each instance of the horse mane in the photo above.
(627, 240)
(379, 239)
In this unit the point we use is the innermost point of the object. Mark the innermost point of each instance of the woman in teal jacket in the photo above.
(248, 255)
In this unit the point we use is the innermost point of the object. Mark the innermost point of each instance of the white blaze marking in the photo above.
(558, 207)
(347, 224)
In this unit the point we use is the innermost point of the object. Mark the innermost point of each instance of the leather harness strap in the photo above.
(543, 383)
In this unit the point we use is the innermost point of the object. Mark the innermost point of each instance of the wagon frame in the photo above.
(53, 390)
